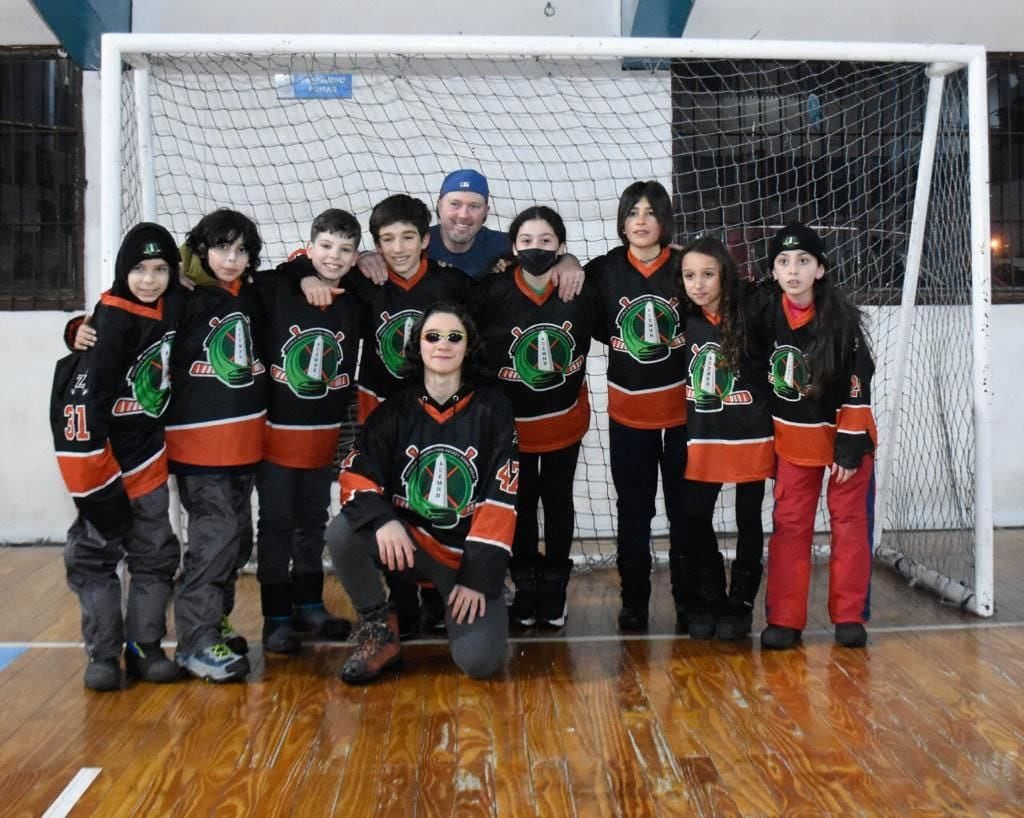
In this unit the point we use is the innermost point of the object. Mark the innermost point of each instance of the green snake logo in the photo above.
(229, 353)
(311, 361)
(788, 373)
(648, 328)
(150, 377)
(440, 483)
(392, 334)
(542, 355)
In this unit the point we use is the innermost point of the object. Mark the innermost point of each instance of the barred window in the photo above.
(1006, 173)
(42, 177)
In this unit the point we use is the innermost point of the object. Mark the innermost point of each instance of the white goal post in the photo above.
(882, 147)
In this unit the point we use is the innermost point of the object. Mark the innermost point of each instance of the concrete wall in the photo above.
(32, 502)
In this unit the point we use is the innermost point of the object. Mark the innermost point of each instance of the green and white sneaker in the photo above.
(232, 638)
(217, 663)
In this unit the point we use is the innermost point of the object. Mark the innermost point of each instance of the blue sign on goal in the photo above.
(313, 86)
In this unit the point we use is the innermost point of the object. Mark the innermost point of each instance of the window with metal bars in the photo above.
(42, 179)
(1006, 173)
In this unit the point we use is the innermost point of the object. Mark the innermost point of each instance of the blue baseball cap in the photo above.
(468, 181)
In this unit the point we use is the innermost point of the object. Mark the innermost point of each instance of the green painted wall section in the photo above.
(79, 24)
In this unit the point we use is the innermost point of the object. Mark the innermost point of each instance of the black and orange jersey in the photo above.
(448, 471)
(538, 344)
(644, 332)
(107, 409)
(218, 410)
(835, 427)
(728, 417)
(392, 309)
(311, 354)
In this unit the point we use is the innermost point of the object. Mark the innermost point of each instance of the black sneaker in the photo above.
(279, 636)
(733, 626)
(377, 648)
(851, 634)
(701, 625)
(776, 637)
(232, 638)
(633, 620)
(103, 675)
(316, 619)
(148, 663)
(432, 608)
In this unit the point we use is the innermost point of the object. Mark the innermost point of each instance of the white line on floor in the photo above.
(72, 792)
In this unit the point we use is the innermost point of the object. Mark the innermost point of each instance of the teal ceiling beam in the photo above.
(79, 24)
(657, 18)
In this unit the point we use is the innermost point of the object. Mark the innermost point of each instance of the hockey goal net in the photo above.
(881, 148)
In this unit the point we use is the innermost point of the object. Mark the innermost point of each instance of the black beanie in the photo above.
(145, 240)
(797, 236)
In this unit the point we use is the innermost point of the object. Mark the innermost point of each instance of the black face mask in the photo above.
(536, 261)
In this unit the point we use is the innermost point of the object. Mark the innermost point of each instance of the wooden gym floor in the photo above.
(927, 721)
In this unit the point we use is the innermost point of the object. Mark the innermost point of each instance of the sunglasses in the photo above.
(434, 337)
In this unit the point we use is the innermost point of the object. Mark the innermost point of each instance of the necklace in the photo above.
(647, 260)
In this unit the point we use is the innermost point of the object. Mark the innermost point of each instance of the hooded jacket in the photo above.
(108, 403)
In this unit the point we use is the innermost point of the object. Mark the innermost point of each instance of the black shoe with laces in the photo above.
(149, 663)
(851, 634)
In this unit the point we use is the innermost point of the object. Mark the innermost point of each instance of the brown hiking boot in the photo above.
(377, 647)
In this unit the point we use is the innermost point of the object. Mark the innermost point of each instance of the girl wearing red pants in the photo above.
(820, 375)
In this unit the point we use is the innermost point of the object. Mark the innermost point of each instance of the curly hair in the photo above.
(224, 226)
(473, 367)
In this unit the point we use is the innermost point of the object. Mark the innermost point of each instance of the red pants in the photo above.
(850, 507)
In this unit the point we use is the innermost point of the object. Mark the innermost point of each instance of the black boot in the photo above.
(404, 597)
(308, 612)
(683, 590)
(635, 575)
(552, 587)
(737, 619)
(523, 612)
(709, 599)
(276, 605)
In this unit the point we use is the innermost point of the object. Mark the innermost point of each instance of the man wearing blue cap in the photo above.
(460, 238)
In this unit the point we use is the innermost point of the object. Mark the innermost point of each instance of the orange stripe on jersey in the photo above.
(148, 477)
(857, 419)
(293, 447)
(717, 461)
(352, 483)
(86, 473)
(494, 523)
(438, 552)
(649, 268)
(805, 444)
(235, 442)
(366, 402)
(553, 432)
(655, 409)
(155, 312)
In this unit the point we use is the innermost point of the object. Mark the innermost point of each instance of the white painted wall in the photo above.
(33, 504)
(22, 24)
(581, 18)
(996, 24)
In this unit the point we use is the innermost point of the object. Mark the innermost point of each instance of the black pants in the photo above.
(545, 477)
(702, 544)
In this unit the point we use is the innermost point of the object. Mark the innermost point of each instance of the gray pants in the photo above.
(219, 517)
(151, 552)
(478, 649)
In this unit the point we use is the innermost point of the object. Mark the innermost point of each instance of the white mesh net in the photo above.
(744, 146)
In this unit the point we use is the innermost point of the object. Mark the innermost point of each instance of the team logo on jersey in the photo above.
(542, 356)
(392, 334)
(712, 385)
(788, 373)
(440, 482)
(229, 353)
(150, 381)
(648, 328)
(311, 359)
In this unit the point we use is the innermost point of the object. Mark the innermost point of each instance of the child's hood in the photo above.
(144, 241)
(194, 270)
